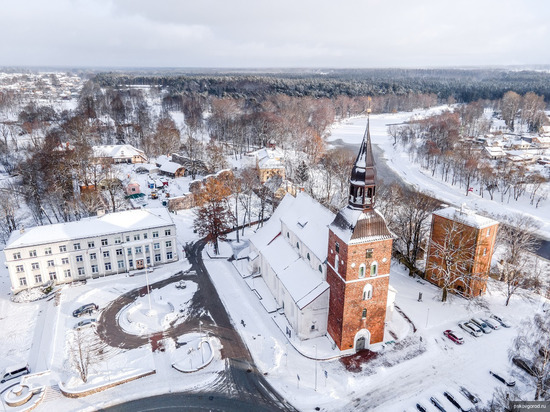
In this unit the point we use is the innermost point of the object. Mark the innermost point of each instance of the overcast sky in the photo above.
(274, 33)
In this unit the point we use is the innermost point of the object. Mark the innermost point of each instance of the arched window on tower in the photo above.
(374, 269)
(336, 261)
(362, 270)
(364, 314)
(367, 292)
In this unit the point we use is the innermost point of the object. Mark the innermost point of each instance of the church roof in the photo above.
(358, 226)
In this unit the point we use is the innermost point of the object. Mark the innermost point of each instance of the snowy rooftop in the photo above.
(302, 282)
(116, 151)
(466, 216)
(269, 158)
(110, 223)
(170, 167)
(356, 226)
(309, 221)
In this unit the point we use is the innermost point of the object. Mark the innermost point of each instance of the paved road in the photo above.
(241, 387)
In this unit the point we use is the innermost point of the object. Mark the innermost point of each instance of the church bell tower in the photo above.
(358, 262)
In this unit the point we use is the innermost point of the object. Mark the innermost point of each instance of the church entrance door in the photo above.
(360, 345)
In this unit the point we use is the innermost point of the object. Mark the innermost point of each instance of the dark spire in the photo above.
(363, 175)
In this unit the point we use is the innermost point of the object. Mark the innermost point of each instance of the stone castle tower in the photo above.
(358, 261)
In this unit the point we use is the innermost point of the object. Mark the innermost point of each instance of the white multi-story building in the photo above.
(106, 245)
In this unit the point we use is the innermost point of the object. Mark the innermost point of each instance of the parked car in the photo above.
(492, 323)
(456, 400)
(471, 328)
(470, 396)
(421, 407)
(482, 325)
(455, 337)
(437, 404)
(88, 308)
(503, 378)
(525, 365)
(501, 320)
(14, 371)
(84, 323)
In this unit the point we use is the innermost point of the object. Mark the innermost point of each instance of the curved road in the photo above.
(241, 387)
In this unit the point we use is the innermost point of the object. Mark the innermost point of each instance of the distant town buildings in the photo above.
(106, 245)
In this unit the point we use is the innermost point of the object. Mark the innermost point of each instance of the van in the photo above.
(482, 325)
(15, 371)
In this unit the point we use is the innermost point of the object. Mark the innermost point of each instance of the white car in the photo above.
(471, 329)
(501, 320)
(481, 325)
(493, 324)
(85, 323)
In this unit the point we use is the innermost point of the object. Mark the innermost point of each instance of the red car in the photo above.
(459, 340)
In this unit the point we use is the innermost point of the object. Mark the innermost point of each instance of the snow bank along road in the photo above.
(240, 388)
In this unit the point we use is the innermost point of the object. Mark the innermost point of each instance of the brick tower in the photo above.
(358, 262)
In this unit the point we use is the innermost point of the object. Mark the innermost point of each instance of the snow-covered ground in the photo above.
(351, 132)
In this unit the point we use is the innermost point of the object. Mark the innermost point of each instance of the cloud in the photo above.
(261, 33)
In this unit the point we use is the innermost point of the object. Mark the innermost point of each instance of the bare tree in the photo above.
(532, 345)
(451, 258)
(510, 105)
(85, 352)
(516, 237)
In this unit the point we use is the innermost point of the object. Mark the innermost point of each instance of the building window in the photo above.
(119, 252)
(146, 248)
(138, 249)
(148, 260)
(485, 252)
(38, 278)
(298, 245)
(48, 251)
(93, 256)
(67, 273)
(104, 242)
(367, 292)
(168, 243)
(51, 263)
(76, 246)
(308, 256)
(374, 269)
(129, 252)
(23, 281)
(362, 270)
(53, 276)
(79, 258)
(91, 244)
(155, 234)
(32, 253)
(167, 232)
(320, 268)
(336, 263)
(19, 268)
(127, 238)
(106, 254)
(118, 241)
(95, 269)
(488, 232)
(337, 247)
(121, 264)
(145, 236)
(369, 254)
(136, 237)
(130, 263)
(17, 256)
(364, 314)
(169, 255)
(156, 246)
(35, 266)
(288, 235)
(65, 261)
(81, 271)
(108, 266)
(63, 248)
(157, 257)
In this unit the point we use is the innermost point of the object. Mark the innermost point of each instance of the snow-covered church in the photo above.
(329, 274)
